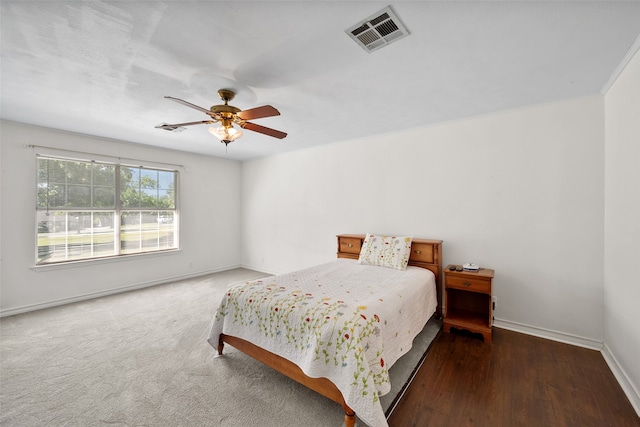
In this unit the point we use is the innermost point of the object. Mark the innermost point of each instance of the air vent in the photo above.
(378, 30)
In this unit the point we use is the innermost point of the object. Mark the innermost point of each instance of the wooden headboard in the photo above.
(425, 253)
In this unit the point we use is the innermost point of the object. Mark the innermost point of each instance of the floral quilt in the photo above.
(341, 320)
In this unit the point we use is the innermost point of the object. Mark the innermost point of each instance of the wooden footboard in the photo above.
(320, 385)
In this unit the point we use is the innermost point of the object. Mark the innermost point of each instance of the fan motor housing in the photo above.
(224, 109)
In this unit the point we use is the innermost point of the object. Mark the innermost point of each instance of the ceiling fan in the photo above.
(228, 115)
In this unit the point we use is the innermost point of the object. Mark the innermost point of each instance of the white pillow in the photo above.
(386, 251)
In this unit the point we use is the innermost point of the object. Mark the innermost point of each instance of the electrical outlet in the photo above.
(494, 300)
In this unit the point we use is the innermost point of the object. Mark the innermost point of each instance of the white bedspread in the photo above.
(340, 320)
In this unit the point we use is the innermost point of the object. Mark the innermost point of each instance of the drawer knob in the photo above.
(349, 245)
(418, 252)
(466, 283)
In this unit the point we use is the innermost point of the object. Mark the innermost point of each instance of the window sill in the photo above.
(106, 260)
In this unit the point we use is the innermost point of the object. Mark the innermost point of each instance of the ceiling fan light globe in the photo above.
(225, 133)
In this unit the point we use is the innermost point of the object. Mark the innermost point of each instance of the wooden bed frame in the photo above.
(424, 253)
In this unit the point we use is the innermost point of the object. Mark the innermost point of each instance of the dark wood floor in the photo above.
(518, 380)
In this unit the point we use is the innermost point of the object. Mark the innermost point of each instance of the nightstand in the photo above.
(468, 302)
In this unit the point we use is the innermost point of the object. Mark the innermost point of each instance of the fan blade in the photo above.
(262, 129)
(188, 104)
(258, 112)
(177, 125)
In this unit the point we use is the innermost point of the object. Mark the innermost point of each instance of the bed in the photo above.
(338, 327)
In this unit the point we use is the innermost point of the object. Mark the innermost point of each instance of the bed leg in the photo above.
(349, 417)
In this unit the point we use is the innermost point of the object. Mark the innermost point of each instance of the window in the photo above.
(87, 209)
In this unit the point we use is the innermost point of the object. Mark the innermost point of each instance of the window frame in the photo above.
(117, 211)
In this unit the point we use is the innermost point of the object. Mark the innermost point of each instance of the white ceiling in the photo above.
(103, 67)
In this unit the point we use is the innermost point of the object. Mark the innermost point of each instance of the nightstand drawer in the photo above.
(350, 245)
(472, 284)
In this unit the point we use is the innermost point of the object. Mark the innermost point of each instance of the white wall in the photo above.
(520, 192)
(209, 201)
(622, 229)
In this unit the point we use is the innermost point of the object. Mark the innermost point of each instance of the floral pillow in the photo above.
(386, 251)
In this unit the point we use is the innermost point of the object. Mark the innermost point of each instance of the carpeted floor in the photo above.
(141, 359)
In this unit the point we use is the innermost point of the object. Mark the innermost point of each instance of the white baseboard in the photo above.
(623, 379)
(548, 334)
(83, 297)
(261, 270)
